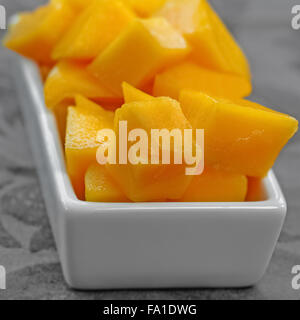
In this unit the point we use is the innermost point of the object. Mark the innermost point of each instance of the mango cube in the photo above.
(156, 113)
(93, 30)
(34, 35)
(213, 45)
(148, 181)
(188, 75)
(216, 186)
(70, 78)
(132, 94)
(256, 190)
(100, 187)
(83, 123)
(238, 138)
(145, 8)
(251, 104)
(142, 50)
(79, 4)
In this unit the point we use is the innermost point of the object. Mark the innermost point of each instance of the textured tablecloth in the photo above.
(27, 249)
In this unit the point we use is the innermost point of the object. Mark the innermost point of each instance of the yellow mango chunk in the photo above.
(144, 48)
(145, 8)
(256, 190)
(216, 186)
(251, 104)
(34, 34)
(93, 30)
(238, 138)
(188, 75)
(79, 4)
(213, 45)
(83, 123)
(132, 94)
(148, 88)
(70, 78)
(100, 187)
(151, 182)
(157, 113)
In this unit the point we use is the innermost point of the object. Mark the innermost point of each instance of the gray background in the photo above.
(27, 249)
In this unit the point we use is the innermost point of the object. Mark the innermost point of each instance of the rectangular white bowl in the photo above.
(146, 245)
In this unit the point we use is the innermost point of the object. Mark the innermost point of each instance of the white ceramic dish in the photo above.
(146, 245)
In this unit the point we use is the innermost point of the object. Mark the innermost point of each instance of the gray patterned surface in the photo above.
(27, 249)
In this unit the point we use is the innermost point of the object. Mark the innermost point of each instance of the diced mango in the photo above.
(100, 187)
(132, 94)
(157, 113)
(70, 78)
(145, 8)
(142, 50)
(83, 123)
(216, 186)
(251, 104)
(79, 4)
(188, 75)
(148, 87)
(213, 45)
(34, 34)
(151, 182)
(256, 190)
(238, 138)
(149, 54)
(93, 30)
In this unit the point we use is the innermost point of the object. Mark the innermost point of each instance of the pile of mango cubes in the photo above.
(156, 64)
